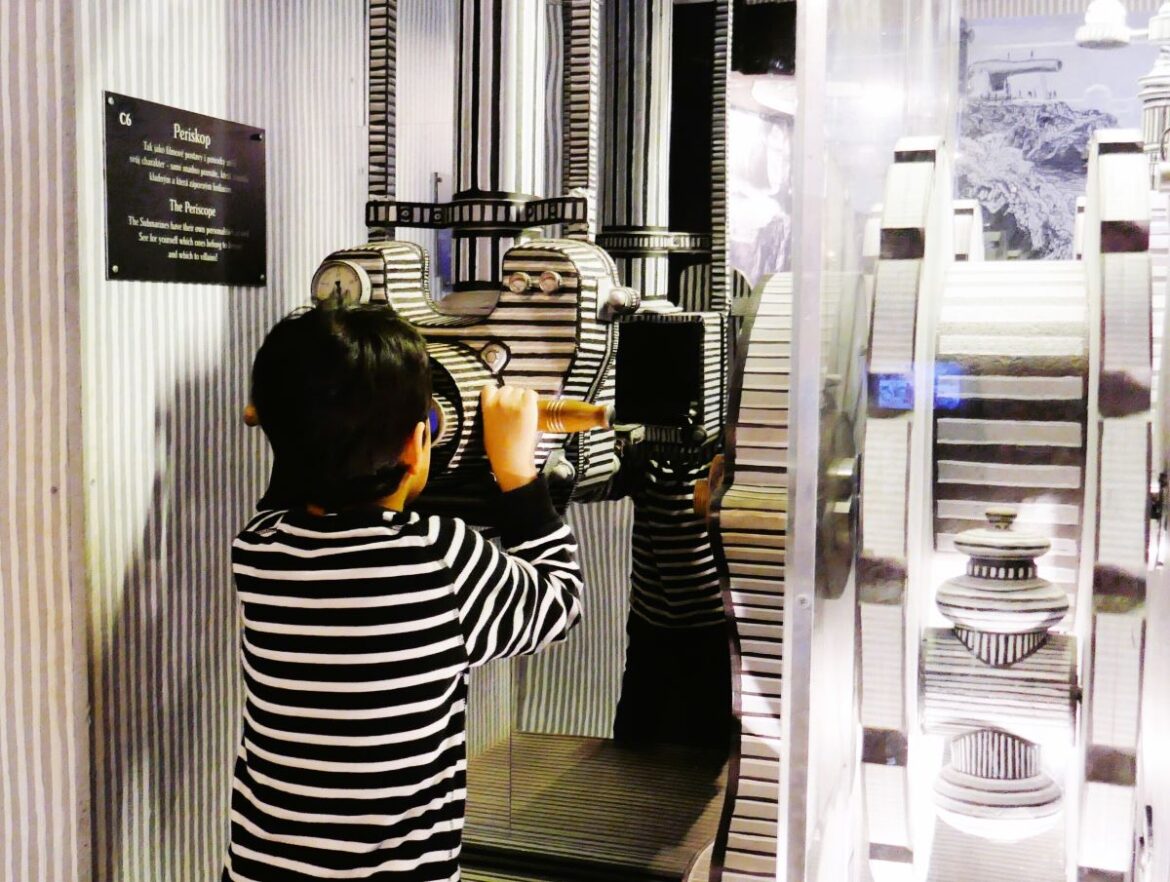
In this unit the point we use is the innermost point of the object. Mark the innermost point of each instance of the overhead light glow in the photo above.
(1105, 26)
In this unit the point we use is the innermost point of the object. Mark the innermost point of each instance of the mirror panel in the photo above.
(547, 780)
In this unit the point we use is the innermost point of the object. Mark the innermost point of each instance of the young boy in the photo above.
(361, 620)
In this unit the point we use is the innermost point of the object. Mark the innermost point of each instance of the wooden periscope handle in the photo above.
(565, 415)
(560, 415)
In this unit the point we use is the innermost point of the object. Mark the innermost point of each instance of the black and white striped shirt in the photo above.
(358, 632)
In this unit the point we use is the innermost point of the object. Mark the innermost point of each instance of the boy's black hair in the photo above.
(339, 390)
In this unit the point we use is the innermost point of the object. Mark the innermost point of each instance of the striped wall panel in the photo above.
(1154, 768)
(44, 776)
(491, 708)
(1036, 697)
(975, 9)
(573, 688)
(170, 471)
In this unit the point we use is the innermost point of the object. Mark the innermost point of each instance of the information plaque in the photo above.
(184, 196)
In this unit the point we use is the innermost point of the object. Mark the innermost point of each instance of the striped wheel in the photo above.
(750, 521)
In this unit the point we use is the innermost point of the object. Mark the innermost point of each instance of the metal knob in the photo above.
(519, 282)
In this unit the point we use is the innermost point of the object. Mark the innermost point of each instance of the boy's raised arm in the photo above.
(520, 601)
(517, 601)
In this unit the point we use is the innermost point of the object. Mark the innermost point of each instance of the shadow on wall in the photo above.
(166, 724)
(173, 473)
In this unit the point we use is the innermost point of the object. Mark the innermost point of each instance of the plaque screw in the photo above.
(114, 268)
(110, 100)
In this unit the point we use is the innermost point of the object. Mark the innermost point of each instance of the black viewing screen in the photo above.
(184, 196)
(659, 372)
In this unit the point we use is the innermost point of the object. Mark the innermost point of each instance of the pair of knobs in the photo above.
(548, 282)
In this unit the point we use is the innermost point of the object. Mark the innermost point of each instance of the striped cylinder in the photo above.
(721, 283)
(499, 148)
(1035, 697)
(580, 121)
(382, 44)
(993, 787)
(636, 39)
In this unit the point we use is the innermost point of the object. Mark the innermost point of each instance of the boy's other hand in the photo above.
(509, 434)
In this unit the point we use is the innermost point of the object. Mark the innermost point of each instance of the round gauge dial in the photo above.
(341, 282)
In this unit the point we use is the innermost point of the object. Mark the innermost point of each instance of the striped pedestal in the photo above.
(1035, 697)
(993, 787)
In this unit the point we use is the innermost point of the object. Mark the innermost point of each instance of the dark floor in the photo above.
(583, 807)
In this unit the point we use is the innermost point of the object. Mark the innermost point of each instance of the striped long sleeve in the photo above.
(519, 602)
(359, 629)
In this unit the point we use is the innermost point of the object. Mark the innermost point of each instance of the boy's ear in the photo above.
(415, 448)
(251, 417)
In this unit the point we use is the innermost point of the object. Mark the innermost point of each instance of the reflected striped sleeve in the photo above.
(359, 629)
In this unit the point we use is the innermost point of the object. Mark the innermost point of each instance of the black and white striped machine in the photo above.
(554, 326)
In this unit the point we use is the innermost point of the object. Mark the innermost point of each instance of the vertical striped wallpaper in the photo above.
(554, 81)
(573, 688)
(43, 757)
(170, 472)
